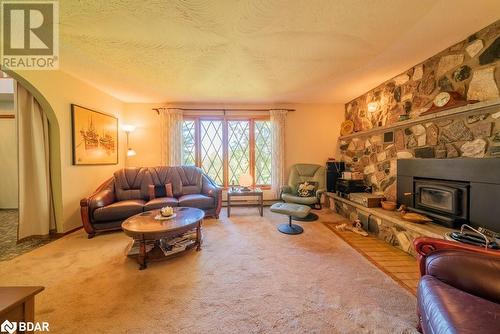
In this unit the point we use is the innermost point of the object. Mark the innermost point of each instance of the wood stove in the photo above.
(452, 191)
(446, 201)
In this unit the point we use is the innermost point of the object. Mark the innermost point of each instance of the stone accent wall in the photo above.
(476, 136)
(470, 67)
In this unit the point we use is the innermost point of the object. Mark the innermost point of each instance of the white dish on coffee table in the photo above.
(160, 217)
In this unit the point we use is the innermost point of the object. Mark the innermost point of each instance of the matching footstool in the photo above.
(291, 210)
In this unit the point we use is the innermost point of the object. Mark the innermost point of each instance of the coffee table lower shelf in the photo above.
(154, 252)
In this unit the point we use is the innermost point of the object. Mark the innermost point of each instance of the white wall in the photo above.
(6, 86)
(8, 157)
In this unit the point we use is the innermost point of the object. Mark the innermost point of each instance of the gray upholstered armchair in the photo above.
(302, 173)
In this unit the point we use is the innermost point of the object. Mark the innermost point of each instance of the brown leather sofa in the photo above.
(459, 291)
(134, 190)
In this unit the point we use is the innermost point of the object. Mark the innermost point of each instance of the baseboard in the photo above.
(59, 235)
(265, 203)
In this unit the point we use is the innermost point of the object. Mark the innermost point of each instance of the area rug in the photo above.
(9, 248)
(401, 266)
(248, 278)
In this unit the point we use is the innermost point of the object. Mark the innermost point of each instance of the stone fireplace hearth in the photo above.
(386, 225)
(477, 179)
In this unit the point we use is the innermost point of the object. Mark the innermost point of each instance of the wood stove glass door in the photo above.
(437, 198)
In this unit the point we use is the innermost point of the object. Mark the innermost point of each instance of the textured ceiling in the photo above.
(259, 51)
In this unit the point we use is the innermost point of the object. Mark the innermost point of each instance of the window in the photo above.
(188, 151)
(225, 148)
(238, 149)
(212, 155)
(263, 152)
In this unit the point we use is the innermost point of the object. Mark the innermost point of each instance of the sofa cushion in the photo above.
(291, 209)
(191, 179)
(119, 210)
(307, 172)
(299, 200)
(197, 201)
(467, 271)
(131, 183)
(160, 202)
(445, 309)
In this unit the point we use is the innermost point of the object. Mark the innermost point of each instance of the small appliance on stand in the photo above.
(334, 171)
(478, 237)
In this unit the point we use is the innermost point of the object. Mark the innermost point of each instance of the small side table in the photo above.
(17, 303)
(254, 192)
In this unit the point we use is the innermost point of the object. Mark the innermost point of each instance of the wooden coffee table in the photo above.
(144, 228)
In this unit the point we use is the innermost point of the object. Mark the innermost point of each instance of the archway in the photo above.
(55, 146)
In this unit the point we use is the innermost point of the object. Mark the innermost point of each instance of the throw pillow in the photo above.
(155, 191)
(151, 192)
(168, 190)
(307, 189)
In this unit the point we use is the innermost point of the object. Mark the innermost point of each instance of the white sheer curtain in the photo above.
(36, 206)
(171, 136)
(278, 120)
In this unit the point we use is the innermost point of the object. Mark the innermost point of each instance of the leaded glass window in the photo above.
(226, 148)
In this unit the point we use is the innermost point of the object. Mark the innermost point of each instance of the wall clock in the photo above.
(447, 100)
(442, 99)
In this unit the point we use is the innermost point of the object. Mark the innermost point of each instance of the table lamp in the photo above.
(246, 181)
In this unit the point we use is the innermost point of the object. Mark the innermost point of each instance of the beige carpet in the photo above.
(248, 278)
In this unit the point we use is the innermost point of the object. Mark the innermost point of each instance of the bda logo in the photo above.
(8, 326)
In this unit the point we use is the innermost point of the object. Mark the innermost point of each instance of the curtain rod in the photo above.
(223, 109)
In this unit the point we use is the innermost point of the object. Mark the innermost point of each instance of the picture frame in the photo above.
(389, 137)
(94, 137)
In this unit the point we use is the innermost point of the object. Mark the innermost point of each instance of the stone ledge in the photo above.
(470, 108)
(429, 229)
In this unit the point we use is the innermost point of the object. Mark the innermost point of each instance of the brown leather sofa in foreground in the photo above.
(459, 291)
(133, 190)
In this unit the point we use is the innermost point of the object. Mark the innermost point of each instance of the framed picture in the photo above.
(95, 137)
(389, 137)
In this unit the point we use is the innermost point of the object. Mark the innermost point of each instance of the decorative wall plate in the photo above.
(346, 128)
